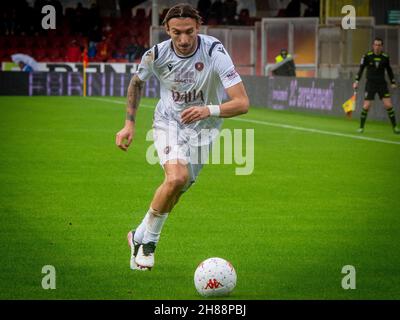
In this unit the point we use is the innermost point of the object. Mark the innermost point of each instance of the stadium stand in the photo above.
(113, 39)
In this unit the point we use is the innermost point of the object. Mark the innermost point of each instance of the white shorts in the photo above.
(173, 143)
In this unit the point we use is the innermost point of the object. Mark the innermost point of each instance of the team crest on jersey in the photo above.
(199, 66)
(167, 149)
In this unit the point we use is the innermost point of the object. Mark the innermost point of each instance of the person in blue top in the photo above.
(25, 67)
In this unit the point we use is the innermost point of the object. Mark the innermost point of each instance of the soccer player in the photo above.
(193, 70)
(376, 62)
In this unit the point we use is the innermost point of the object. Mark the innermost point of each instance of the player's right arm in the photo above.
(363, 64)
(125, 135)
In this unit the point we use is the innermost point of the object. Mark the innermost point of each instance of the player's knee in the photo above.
(387, 104)
(177, 181)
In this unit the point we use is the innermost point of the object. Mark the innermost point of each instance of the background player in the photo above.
(193, 70)
(376, 62)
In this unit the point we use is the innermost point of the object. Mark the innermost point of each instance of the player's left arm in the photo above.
(238, 104)
(390, 73)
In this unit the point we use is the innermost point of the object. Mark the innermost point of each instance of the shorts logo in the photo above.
(167, 149)
(199, 66)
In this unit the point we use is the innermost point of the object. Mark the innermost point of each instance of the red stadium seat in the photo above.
(73, 53)
(26, 50)
(41, 41)
(39, 54)
(54, 54)
(58, 42)
(4, 55)
(29, 42)
(13, 41)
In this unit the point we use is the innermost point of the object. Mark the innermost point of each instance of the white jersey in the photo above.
(195, 80)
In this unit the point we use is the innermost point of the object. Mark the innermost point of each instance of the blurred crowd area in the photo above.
(122, 36)
(106, 39)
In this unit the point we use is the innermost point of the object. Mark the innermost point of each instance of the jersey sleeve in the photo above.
(225, 68)
(145, 69)
(390, 71)
(363, 64)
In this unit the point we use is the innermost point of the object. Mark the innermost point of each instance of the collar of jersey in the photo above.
(186, 57)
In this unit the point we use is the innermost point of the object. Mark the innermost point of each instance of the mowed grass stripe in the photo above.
(281, 125)
(68, 197)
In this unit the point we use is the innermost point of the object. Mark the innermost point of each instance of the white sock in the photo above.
(139, 232)
(154, 225)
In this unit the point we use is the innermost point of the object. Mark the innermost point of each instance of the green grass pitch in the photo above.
(314, 203)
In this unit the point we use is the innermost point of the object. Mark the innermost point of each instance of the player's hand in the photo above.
(355, 85)
(127, 133)
(193, 114)
(393, 86)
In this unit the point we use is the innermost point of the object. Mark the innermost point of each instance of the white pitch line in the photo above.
(281, 125)
(331, 133)
(118, 102)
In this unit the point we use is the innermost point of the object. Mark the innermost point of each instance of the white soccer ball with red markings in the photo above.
(215, 277)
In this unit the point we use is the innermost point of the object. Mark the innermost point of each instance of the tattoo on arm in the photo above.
(134, 94)
(130, 117)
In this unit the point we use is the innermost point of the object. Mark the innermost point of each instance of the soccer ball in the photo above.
(215, 277)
